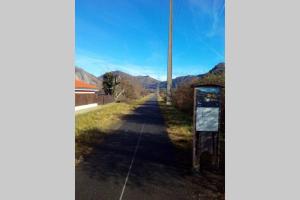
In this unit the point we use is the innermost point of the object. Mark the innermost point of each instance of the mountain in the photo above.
(217, 69)
(118, 73)
(145, 82)
(83, 75)
(178, 81)
(122, 76)
(130, 87)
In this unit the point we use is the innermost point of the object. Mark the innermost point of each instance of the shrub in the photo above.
(183, 98)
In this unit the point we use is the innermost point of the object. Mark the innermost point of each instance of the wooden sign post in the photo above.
(206, 125)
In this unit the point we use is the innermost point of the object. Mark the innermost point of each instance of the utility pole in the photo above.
(169, 76)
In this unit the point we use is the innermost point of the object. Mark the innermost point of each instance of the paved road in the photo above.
(137, 162)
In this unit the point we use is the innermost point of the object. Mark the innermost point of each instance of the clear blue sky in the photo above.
(132, 36)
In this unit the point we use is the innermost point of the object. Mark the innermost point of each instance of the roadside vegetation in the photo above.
(179, 129)
(179, 121)
(183, 100)
(122, 87)
(91, 127)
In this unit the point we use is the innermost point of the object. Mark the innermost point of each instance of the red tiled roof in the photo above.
(83, 85)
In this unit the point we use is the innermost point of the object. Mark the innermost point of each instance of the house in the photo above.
(85, 95)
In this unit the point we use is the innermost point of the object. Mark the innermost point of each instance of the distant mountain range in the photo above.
(146, 82)
(218, 69)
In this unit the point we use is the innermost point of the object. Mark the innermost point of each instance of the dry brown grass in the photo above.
(179, 125)
(179, 129)
(91, 127)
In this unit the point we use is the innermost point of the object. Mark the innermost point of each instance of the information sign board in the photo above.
(207, 119)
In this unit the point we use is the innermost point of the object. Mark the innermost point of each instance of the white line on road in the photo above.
(132, 161)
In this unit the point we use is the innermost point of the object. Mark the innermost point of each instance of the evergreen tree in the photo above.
(110, 83)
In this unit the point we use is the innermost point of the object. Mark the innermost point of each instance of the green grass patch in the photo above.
(91, 127)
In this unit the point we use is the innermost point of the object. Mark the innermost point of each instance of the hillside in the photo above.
(148, 82)
(184, 93)
(83, 75)
(216, 70)
(145, 82)
(178, 81)
(118, 73)
(123, 76)
(129, 88)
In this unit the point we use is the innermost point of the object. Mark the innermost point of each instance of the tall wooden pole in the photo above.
(169, 76)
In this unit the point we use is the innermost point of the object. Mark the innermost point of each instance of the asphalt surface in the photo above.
(137, 162)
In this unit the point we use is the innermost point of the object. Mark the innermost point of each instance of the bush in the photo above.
(129, 91)
(183, 98)
(183, 95)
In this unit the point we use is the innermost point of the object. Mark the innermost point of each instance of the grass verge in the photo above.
(91, 127)
(179, 129)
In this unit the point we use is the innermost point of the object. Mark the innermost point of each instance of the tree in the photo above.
(110, 82)
(130, 92)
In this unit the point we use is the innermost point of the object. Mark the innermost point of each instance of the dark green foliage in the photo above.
(110, 83)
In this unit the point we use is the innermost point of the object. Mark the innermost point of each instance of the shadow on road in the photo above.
(155, 170)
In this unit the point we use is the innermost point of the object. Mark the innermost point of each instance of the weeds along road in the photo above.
(136, 162)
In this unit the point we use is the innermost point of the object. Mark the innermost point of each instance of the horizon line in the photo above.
(76, 66)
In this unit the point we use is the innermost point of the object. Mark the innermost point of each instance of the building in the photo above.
(85, 95)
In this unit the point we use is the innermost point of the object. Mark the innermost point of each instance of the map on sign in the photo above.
(207, 97)
(207, 119)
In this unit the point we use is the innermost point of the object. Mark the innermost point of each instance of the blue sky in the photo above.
(132, 36)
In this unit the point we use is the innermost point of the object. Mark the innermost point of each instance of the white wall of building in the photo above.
(85, 106)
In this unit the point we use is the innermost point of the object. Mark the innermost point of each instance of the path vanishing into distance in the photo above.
(136, 162)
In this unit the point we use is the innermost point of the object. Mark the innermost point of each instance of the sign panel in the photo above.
(207, 119)
(207, 97)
